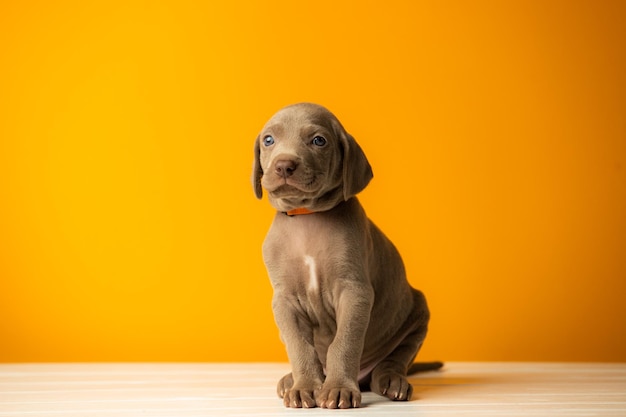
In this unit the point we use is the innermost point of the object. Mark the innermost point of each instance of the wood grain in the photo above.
(244, 389)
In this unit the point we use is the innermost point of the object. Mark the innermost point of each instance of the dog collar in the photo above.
(298, 211)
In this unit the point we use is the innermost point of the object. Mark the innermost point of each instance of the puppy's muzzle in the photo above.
(285, 167)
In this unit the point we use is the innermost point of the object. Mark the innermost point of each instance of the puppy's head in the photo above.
(304, 158)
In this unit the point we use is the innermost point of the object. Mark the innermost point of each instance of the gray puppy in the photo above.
(345, 311)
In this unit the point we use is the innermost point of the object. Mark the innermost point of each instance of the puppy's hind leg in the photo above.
(389, 376)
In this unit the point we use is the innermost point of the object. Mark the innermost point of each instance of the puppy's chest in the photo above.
(310, 281)
(303, 258)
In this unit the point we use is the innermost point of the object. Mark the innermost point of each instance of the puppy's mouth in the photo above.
(291, 187)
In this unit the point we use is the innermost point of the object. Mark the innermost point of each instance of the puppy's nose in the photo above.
(285, 167)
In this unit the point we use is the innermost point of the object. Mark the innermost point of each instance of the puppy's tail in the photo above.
(424, 367)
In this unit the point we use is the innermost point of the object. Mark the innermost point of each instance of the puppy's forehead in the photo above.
(298, 117)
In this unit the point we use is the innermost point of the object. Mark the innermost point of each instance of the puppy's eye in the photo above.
(319, 141)
(268, 140)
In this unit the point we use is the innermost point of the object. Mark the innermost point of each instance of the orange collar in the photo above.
(297, 211)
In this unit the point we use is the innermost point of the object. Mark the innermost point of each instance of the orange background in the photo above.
(129, 229)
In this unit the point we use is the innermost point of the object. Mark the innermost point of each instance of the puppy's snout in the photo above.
(285, 167)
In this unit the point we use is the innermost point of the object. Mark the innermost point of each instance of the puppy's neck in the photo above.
(328, 200)
(351, 204)
(298, 211)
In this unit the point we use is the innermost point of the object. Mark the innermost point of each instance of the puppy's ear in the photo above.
(257, 171)
(357, 171)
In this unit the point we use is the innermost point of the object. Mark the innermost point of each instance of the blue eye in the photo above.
(268, 140)
(319, 141)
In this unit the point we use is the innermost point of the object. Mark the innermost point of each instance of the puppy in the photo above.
(342, 303)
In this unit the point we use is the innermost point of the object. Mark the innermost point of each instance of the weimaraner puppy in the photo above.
(342, 303)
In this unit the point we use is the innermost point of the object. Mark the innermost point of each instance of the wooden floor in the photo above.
(182, 390)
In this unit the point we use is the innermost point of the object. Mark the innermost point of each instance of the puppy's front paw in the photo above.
(393, 386)
(338, 396)
(299, 398)
(284, 385)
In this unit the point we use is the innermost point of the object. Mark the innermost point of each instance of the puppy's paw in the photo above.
(338, 396)
(299, 398)
(393, 386)
(284, 385)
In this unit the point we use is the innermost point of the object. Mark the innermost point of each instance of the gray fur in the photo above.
(345, 311)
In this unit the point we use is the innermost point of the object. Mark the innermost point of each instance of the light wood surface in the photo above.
(184, 390)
